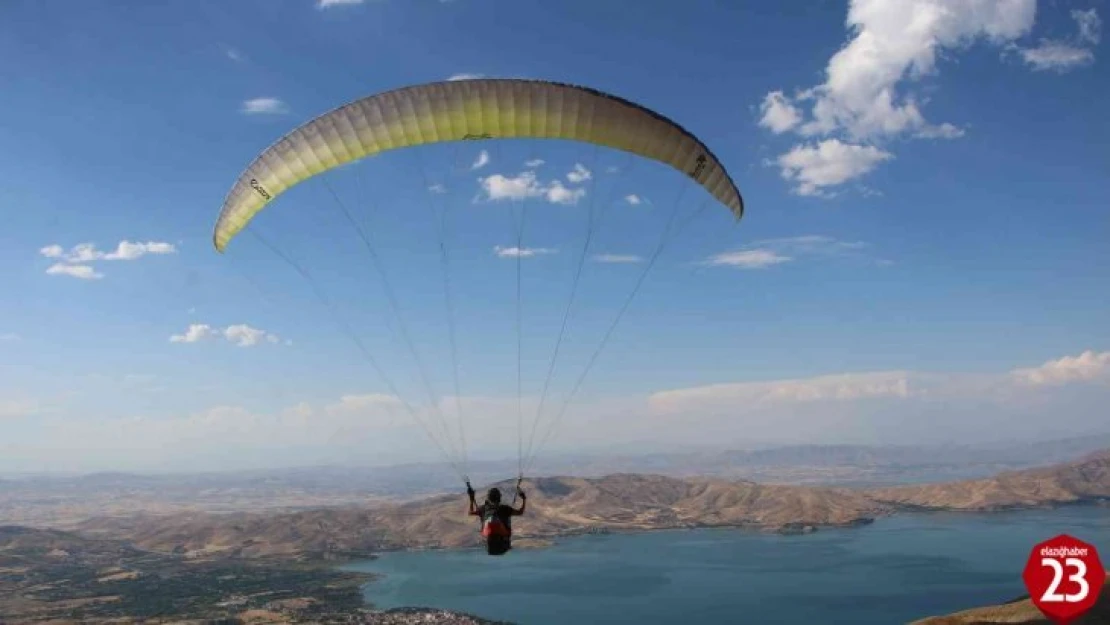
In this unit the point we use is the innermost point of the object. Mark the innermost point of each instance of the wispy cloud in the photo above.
(633, 199)
(325, 4)
(241, 335)
(522, 252)
(465, 76)
(437, 188)
(125, 250)
(1063, 55)
(769, 252)
(9, 337)
(1089, 24)
(747, 259)
(532, 164)
(870, 407)
(264, 106)
(1056, 56)
(825, 388)
(867, 97)
(1088, 366)
(83, 272)
(481, 161)
(234, 54)
(498, 187)
(618, 258)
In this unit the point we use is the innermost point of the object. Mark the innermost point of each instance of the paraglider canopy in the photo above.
(467, 110)
(462, 111)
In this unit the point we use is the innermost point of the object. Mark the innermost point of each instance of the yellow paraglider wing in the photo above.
(468, 110)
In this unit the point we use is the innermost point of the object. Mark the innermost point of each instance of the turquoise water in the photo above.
(896, 570)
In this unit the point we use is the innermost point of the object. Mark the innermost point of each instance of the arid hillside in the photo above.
(557, 507)
(1086, 481)
(565, 506)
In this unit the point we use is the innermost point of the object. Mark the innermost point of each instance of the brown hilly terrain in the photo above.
(265, 567)
(568, 506)
(557, 507)
(1085, 481)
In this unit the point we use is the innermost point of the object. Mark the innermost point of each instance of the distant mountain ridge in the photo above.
(63, 501)
(564, 506)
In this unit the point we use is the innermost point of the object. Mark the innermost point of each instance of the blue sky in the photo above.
(924, 254)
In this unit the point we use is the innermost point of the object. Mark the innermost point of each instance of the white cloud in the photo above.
(74, 261)
(893, 407)
(83, 272)
(241, 335)
(324, 4)
(498, 187)
(536, 162)
(748, 259)
(522, 252)
(481, 161)
(53, 251)
(437, 188)
(839, 388)
(1061, 56)
(943, 131)
(1056, 56)
(194, 333)
(769, 252)
(465, 76)
(579, 174)
(1090, 25)
(125, 250)
(235, 55)
(779, 115)
(867, 97)
(264, 106)
(895, 42)
(618, 258)
(354, 405)
(556, 193)
(633, 199)
(1087, 366)
(828, 164)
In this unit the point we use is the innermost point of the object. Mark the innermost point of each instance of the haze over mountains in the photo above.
(562, 506)
(63, 501)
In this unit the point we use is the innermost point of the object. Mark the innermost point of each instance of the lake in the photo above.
(898, 569)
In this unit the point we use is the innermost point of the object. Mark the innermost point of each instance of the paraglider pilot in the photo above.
(497, 526)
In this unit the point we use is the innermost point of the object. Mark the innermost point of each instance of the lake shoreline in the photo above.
(974, 560)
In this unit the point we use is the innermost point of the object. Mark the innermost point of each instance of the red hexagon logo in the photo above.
(1064, 576)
